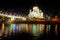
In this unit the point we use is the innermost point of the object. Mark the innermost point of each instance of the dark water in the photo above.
(30, 31)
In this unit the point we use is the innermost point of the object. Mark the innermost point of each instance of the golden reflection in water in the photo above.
(41, 28)
(2, 27)
(27, 28)
(30, 28)
(56, 29)
(20, 28)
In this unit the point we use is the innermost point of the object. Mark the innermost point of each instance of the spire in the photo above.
(35, 4)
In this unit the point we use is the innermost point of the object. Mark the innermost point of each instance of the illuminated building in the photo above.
(35, 13)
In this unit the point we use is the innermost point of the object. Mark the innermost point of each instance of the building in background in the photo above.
(35, 13)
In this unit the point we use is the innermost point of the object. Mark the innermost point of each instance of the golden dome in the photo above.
(35, 7)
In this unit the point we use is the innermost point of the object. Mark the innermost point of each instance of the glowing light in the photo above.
(23, 18)
(12, 18)
(35, 7)
(15, 26)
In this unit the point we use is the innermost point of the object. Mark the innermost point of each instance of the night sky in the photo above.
(23, 6)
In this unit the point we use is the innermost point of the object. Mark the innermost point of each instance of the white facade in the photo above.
(35, 13)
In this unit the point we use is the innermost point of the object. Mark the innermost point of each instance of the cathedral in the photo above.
(35, 13)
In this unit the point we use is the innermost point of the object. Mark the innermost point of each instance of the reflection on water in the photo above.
(27, 28)
(2, 27)
(42, 28)
(35, 29)
(15, 27)
(47, 28)
(56, 29)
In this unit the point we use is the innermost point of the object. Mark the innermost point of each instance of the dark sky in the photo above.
(25, 5)
(29, 3)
